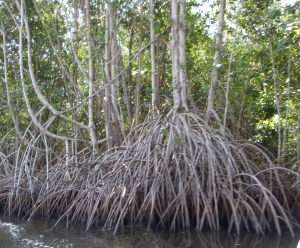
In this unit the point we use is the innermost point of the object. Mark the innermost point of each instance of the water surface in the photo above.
(35, 233)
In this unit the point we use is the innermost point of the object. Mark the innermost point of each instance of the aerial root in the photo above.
(175, 172)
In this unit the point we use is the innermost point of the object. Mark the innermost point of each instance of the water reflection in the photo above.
(210, 240)
(15, 233)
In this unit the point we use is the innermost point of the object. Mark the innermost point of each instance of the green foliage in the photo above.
(58, 48)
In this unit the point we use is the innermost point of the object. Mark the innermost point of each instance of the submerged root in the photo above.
(175, 172)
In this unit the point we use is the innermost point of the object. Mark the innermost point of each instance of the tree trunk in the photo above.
(92, 128)
(216, 65)
(139, 77)
(112, 116)
(155, 87)
(178, 51)
(182, 55)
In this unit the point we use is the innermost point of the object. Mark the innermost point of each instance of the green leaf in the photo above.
(178, 139)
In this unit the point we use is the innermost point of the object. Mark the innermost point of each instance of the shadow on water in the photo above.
(16, 233)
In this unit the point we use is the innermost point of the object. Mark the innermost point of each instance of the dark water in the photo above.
(35, 233)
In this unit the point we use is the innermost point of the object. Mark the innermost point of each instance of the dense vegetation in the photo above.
(178, 113)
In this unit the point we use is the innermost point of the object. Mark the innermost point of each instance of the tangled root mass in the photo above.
(174, 172)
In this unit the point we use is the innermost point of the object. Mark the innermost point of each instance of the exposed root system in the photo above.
(175, 172)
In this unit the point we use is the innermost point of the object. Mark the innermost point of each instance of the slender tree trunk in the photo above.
(277, 101)
(216, 65)
(92, 128)
(175, 51)
(139, 77)
(286, 126)
(182, 55)
(160, 62)
(114, 131)
(155, 87)
(74, 98)
(76, 89)
(126, 91)
(106, 105)
(229, 67)
(178, 56)
(129, 83)
(239, 126)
